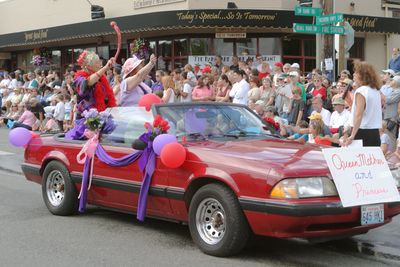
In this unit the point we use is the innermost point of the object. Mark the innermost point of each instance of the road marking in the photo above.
(5, 153)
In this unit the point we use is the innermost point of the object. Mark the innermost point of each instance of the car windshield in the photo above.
(207, 121)
(129, 124)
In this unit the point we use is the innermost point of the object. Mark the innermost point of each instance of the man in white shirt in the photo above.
(341, 116)
(240, 88)
(317, 105)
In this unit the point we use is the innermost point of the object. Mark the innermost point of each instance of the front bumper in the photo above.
(315, 218)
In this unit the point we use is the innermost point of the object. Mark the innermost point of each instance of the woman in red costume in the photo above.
(93, 89)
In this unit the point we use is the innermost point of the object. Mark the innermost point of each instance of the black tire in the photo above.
(62, 186)
(235, 233)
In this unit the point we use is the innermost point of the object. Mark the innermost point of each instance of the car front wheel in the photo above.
(216, 221)
(58, 191)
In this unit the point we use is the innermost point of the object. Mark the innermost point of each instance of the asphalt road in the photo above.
(31, 236)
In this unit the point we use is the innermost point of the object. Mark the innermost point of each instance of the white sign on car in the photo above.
(362, 175)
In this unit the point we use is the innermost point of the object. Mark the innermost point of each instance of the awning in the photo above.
(187, 19)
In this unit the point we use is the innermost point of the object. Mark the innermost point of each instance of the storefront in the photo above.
(187, 36)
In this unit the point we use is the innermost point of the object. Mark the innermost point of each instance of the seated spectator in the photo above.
(317, 105)
(27, 119)
(299, 137)
(51, 124)
(340, 117)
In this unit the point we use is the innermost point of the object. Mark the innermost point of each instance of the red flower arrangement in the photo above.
(160, 126)
(273, 123)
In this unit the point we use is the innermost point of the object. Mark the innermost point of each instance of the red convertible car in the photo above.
(237, 179)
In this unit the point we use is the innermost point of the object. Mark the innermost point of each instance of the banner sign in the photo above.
(361, 175)
(202, 61)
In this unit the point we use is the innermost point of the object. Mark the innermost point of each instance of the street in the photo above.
(31, 236)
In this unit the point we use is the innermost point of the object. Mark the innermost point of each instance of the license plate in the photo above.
(372, 214)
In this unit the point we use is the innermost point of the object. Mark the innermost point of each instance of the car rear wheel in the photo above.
(58, 191)
(216, 221)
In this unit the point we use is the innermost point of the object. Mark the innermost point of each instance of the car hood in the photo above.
(283, 158)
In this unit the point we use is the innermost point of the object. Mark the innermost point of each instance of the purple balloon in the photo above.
(19, 136)
(161, 140)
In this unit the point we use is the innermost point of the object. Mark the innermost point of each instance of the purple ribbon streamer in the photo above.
(146, 163)
(84, 185)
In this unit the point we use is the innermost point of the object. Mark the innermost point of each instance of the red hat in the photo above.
(279, 64)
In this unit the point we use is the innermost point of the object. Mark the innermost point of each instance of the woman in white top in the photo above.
(366, 114)
(169, 87)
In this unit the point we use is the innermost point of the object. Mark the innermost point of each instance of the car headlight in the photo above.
(396, 176)
(304, 188)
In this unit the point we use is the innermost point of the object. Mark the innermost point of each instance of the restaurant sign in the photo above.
(148, 3)
(36, 35)
(202, 61)
(230, 35)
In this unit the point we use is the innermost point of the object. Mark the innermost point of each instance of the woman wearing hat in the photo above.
(91, 83)
(132, 85)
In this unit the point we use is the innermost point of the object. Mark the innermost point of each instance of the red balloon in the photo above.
(173, 155)
(149, 99)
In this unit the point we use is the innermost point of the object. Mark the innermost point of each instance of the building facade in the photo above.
(186, 31)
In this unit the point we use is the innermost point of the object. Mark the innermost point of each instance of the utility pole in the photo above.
(324, 42)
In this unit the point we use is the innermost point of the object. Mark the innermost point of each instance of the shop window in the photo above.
(309, 65)
(223, 47)
(309, 47)
(291, 47)
(164, 48)
(269, 46)
(180, 63)
(103, 52)
(301, 51)
(199, 46)
(55, 60)
(357, 50)
(246, 47)
(180, 47)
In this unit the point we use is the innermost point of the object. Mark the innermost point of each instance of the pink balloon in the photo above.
(19, 137)
(148, 100)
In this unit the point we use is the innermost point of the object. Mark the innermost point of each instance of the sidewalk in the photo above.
(10, 157)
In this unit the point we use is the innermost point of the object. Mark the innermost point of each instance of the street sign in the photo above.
(328, 29)
(306, 28)
(318, 29)
(307, 11)
(329, 19)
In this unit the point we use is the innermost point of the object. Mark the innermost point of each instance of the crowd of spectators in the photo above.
(307, 107)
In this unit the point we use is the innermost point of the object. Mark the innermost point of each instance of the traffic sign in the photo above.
(329, 19)
(325, 29)
(307, 11)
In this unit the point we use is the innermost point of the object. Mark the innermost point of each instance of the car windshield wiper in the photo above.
(196, 136)
(239, 133)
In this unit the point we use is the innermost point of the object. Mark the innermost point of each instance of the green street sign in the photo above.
(318, 29)
(307, 11)
(329, 19)
(328, 29)
(306, 28)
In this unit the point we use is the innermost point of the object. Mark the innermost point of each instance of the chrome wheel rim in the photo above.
(210, 221)
(55, 185)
